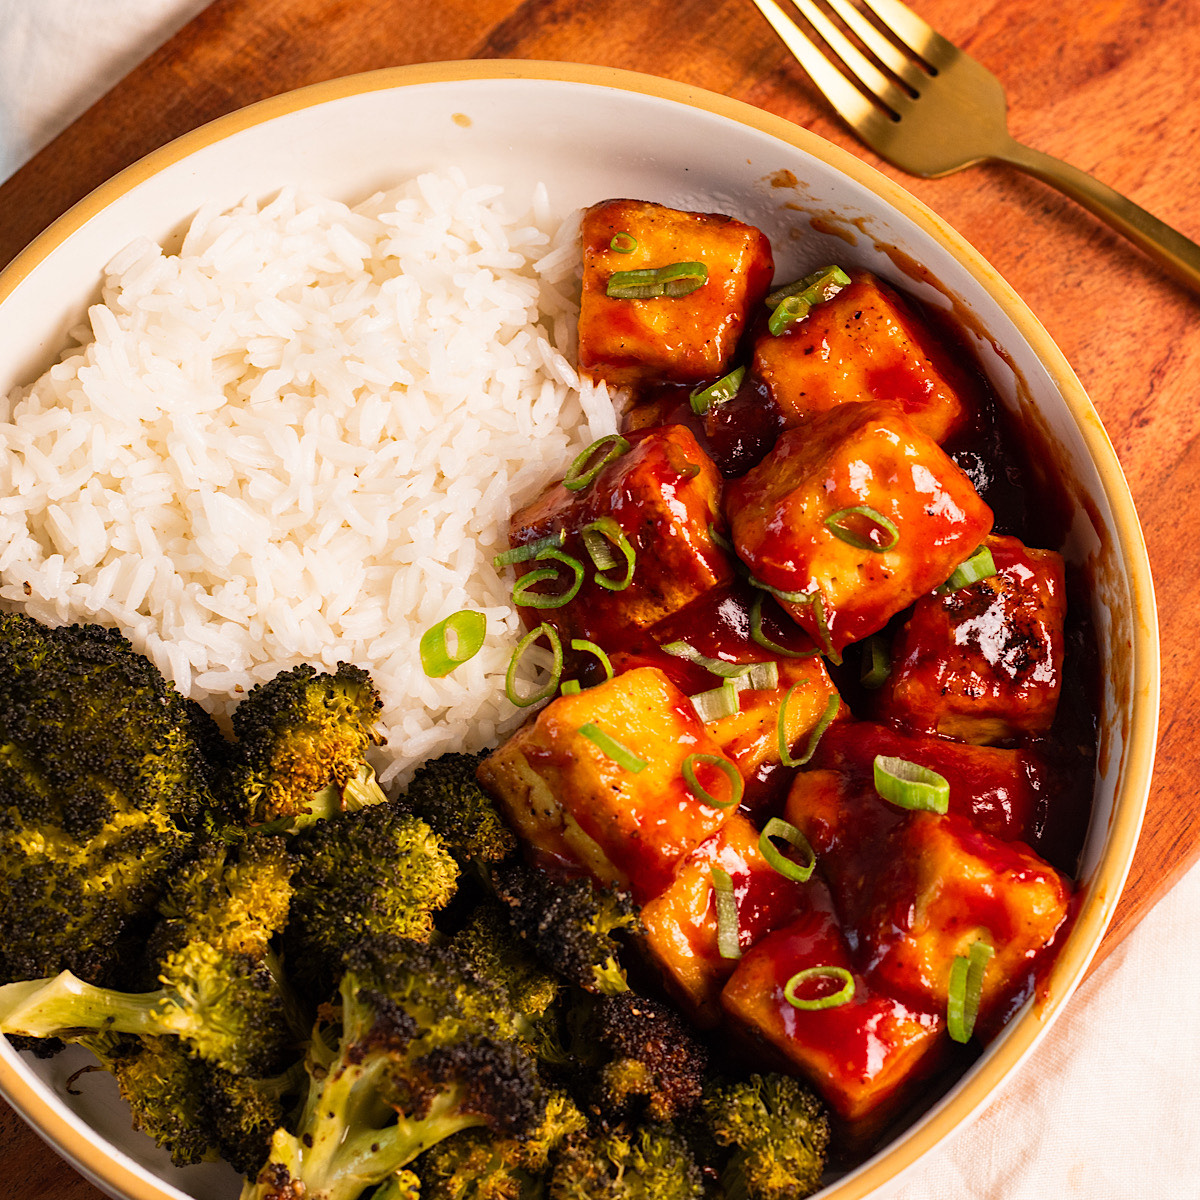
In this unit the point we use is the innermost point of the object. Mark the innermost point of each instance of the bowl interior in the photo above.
(588, 134)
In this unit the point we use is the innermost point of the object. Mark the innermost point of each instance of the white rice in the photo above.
(300, 440)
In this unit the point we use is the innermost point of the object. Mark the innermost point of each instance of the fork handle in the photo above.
(1166, 246)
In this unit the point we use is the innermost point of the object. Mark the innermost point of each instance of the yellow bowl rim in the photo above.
(115, 1176)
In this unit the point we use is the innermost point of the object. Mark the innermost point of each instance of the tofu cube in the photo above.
(664, 494)
(841, 586)
(945, 885)
(681, 923)
(864, 344)
(570, 799)
(984, 663)
(863, 1056)
(685, 339)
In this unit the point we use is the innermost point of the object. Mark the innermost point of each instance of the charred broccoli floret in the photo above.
(103, 779)
(570, 924)
(638, 1061)
(380, 870)
(302, 742)
(428, 1047)
(444, 793)
(220, 989)
(651, 1162)
(475, 1165)
(779, 1134)
(242, 1112)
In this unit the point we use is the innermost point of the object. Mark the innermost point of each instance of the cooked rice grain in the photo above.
(300, 440)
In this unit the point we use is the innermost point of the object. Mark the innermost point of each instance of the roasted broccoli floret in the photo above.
(242, 1112)
(380, 870)
(444, 792)
(570, 924)
(302, 742)
(428, 1047)
(220, 988)
(651, 1162)
(476, 1165)
(637, 1060)
(103, 780)
(779, 1134)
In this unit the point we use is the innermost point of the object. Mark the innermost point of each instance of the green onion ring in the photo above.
(469, 629)
(674, 280)
(966, 990)
(592, 648)
(724, 390)
(736, 785)
(717, 703)
(757, 634)
(611, 748)
(832, 705)
(602, 533)
(547, 690)
(570, 687)
(553, 541)
(910, 785)
(623, 242)
(777, 827)
(716, 666)
(787, 312)
(719, 538)
(834, 1000)
(523, 594)
(821, 285)
(779, 593)
(728, 934)
(876, 663)
(577, 478)
(836, 524)
(979, 566)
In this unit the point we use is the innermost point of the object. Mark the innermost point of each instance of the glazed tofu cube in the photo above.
(945, 885)
(852, 517)
(681, 923)
(984, 663)
(863, 1056)
(1002, 792)
(664, 495)
(865, 343)
(686, 338)
(569, 795)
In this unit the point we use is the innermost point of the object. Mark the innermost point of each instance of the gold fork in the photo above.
(940, 111)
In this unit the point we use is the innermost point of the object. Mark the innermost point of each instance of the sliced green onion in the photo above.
(818, 287)
(702, 399)
(675, 280)
(834, 1000)
(717, 666)
(736, 786)
(778, 593)
(777, 827)
(818, 607)
(611, 748)
(530, 550)
(728, 936)
(623, 242)
(717, 703)
(832, 706)
(876, 663)
(756, 632)
(579, 474)
(719, 538)
(600, 537)
(592, 648)
(762, 677)
(838, 524)
(524, 594)
(787, 312)
(910, 785)
(966, 990)
(468, 628)
(979, 566)
(547, 689)
(570, 687)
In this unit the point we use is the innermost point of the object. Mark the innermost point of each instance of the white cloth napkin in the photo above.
(1106, 1108)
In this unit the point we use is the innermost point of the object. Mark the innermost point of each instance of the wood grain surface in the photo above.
(1111, 85)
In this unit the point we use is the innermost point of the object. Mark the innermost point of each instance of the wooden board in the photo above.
(1111, 85)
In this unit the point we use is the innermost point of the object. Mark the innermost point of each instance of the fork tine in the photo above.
(861, 67)
(892, 57)
(919, 36)
(853, 107)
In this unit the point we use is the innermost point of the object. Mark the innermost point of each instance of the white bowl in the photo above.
(590, 133)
